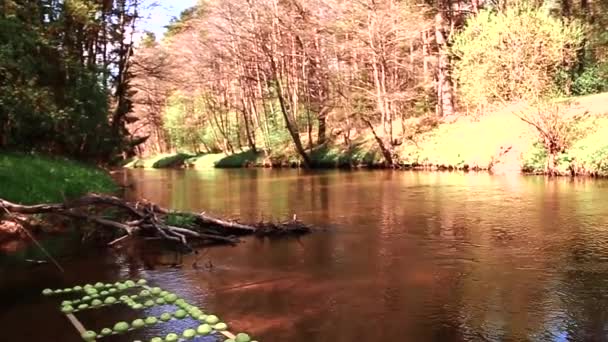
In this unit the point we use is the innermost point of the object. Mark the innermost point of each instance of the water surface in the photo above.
(406, 257)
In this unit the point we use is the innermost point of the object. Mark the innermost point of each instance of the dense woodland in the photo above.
(271, 75)
(64, 76)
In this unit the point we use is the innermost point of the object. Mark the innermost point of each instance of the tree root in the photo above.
(150, 220)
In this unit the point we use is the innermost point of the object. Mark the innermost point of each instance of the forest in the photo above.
(384, 83)
(90, 102)
(310, 83)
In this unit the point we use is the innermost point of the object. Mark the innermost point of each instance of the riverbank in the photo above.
(32, 179)
(498, 142)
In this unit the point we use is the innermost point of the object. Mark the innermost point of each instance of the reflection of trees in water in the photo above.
(448, 256)
(517, 293)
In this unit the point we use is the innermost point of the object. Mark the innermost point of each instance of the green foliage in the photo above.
(242, 159)
(179, 24)
(516, 54)
(593, 79)
(180, 220)
(535, 159)
(590, 153)
(360, 153)
(180, 121)
(160, 161)
(30, 179)
(54, 94)
(175, 160)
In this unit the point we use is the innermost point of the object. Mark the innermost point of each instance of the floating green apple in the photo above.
(242, 337)
(165, 317)
(89, 336)
(180, 314)
(204, 329)
(106, 331)
(151, 320)
(220, 326)
(121, 327)
(138, 323)
(170, 298)
(172, 337)
(110, 300)
(212, 319)
(189, 334)
(47, 292)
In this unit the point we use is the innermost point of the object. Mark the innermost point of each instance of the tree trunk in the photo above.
(322, 129)
(384, 147)
(445, 95)
(295, 135)
(552, 164)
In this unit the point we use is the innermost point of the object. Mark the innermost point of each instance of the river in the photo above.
(404, 256)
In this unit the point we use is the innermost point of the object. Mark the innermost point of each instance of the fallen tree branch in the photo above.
(153, 221)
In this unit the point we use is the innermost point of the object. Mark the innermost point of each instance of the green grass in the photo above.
(360, 153)
(243, 159)
(204, 161)
(29, 179)
(468, 143)
(498, 140)
(160, 161)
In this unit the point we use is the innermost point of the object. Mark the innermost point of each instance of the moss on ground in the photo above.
(160, 161)
(29, 179)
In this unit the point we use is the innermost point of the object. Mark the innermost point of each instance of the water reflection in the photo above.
(407, 256)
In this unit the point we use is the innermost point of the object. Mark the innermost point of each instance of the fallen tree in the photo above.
(147, 219)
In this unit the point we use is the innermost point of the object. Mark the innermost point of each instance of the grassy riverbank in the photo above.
(500, 142)
(28, 179)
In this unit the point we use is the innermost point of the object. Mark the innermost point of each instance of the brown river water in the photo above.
(404, 256)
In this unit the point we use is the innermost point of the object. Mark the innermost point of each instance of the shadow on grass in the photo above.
(243, 159)
(171, 161)
(356, 155)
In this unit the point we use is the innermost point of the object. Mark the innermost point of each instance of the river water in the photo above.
(404, 256)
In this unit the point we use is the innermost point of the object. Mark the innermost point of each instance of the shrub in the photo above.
(558, 127)
(593, 79)
(514, 55)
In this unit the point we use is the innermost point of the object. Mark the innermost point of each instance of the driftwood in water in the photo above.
(149, 219)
